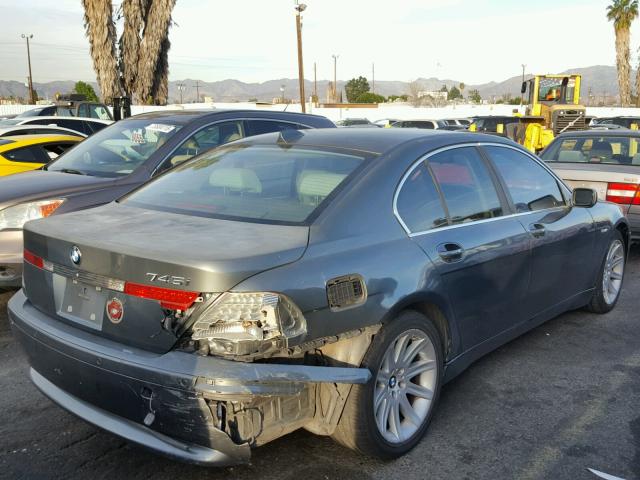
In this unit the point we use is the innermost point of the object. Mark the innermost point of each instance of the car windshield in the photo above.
(622, 150)
(259, 183)
(117, 150)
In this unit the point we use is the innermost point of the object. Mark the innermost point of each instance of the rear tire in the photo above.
(610, 277)
(388, 416)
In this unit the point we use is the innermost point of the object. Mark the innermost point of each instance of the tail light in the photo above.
(623, 193)
(169, 299)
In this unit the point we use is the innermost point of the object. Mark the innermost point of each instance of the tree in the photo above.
(356, 87)
(444, 89)
(474, 96)
(101, 30)
(622, 13)
(461, 87)
(140, 68)
(453, 93)
(370, 97)
(87, 90)
(415, 89)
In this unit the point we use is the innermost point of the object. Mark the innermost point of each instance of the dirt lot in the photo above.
(561, 398)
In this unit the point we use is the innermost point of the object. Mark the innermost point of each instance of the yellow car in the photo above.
(21, 153)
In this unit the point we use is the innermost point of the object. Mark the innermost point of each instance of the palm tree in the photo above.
(153, 65)
(142, 68)
(622, 13)
(98, 22)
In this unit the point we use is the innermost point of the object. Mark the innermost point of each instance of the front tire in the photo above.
(388, 416)
(609, 281)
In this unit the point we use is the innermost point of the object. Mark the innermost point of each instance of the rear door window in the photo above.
(468, 190)
(258, 127)
(529, 184)
(418, 203)
(31, 154)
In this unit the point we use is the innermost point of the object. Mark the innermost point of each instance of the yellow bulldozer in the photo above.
(553, 107)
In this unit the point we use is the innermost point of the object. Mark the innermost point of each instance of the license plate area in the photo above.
(79, 302)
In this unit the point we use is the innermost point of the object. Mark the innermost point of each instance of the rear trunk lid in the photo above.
(125, 254)
(596, 176)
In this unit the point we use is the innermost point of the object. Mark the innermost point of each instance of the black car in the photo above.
(119, 158)
(489, 123)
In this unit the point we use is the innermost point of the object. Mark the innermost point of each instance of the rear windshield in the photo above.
(594, 149)
(117, 150)
(260, 183)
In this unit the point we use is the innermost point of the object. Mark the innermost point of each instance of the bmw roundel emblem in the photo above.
(75, 255)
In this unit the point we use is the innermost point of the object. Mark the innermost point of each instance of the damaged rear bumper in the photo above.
(165, 402)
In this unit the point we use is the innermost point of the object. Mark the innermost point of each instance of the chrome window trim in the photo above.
(426, 156)
(242, 119)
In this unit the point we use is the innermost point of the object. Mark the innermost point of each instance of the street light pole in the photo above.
(523, 67)
(373, 77)
(335, 81)
(32, 97)
(300, 7)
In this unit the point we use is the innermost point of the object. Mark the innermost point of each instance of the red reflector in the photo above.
(168, 298)
(33, 259)
(623, 193)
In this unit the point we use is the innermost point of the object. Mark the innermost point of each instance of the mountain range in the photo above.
(597, 80)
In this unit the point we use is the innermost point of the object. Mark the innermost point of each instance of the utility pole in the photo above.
(197, 91)
(523, 67)
(335, 76)
(300, 7)
(315, 83)
(181, 89)
(32, 97)
(373, 77)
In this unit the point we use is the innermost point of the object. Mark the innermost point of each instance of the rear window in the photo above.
(259, 183)
(605, 149)
(4, 141)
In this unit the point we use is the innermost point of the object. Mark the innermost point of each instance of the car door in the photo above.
(481, 252)
(562, 237)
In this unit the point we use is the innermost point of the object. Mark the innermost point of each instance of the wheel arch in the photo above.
(437, 309)
(623, 227)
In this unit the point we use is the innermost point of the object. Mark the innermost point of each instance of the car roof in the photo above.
(187, 116)
(54, 118)
(378, 141)
(17, 128)
(41, 138)
(621, 132)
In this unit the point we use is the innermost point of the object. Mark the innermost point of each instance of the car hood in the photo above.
(127, 243)
(41, 184)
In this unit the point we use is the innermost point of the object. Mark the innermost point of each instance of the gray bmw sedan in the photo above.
(330, 280)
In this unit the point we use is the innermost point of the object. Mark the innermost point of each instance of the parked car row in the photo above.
(202, 283)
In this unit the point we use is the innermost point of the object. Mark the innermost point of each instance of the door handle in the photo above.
(537, 230)
(450, 252)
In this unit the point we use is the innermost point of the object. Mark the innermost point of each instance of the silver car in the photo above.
(607, 161)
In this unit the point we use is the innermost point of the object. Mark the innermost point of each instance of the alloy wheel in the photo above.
(613, 272)
(405, 386)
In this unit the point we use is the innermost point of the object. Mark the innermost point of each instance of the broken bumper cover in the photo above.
(158, 401)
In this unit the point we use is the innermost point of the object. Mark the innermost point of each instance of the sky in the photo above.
(474, 41)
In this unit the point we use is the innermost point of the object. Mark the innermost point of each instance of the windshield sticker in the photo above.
(138, 137)
(161, 127)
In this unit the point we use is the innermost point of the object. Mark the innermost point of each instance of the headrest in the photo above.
(316, 183)
(571, 156)
(236, 179)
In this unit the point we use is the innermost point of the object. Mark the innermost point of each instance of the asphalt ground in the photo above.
(559, 399)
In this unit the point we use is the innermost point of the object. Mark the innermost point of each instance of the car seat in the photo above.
(235, 180)
(316, 185)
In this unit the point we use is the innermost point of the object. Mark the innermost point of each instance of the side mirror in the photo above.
(523, 88)
(584, 197)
